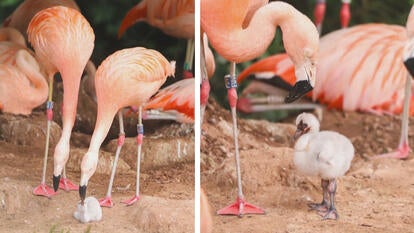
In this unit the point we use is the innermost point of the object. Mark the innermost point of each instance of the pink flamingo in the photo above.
(319, 13)
(117, 80)
(238, 40)
(22, 15)
(173, 17)
(368, 72)
(63, 41)
(176, 102)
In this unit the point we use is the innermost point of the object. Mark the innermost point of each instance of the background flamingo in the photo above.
(63, 41)
(121, 75)
(174, 18)
(319, 13)
(21, 16)
(224, 22)
(366, 73)
(175, 101)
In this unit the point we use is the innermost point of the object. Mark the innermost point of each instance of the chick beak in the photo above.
(56, 181)
(82, 193)
(298, 133)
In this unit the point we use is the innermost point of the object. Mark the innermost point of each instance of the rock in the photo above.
(28, 130)
(161, 215)
(106, 160)
(156, 151)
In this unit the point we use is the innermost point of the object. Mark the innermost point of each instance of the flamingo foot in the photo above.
(239, 208)
(67, 185)
(43, 190)
(329, 214)
(402, 152)
(131, 201)
(106, 202)
(321, 207)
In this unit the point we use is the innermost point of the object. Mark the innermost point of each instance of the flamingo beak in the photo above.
(305, 76)
(82, 192)
(409, 65)
(56, 180)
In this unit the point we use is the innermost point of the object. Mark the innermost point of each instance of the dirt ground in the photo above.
(167, 180)
(376, 195)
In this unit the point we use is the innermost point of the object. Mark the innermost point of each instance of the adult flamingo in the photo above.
(63, 41)
(368, 72)
(229, 33)
(12, 35)
(173, 17)
(22, 15)
(319, 13)
(175, 102)
(117, 80)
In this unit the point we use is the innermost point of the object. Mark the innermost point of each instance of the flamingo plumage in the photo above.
(117, 80)
(63, 41)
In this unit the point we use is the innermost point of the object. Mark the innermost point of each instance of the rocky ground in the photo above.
(374, 196)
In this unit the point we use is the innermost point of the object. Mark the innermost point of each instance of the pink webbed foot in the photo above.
(106, 202)
(239, 208)
(131, 201)
(67, 185)
(43, 190)
(402, 152)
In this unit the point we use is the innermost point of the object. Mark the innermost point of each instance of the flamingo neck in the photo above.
(239, 45)
(102, 126)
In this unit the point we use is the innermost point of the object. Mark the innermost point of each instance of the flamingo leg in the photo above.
(205, 84)
(188, 62)
(331, 212)
(107, 200)
(43, 189)
(140, 136)
(66, 184)
(345, 13)
(319, 14)
(240, 207)
(324, 205)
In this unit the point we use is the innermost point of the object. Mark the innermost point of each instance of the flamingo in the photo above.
(175, 102)
(22, 15)
(12, 35)
(63, 41)
(173, 17)
(319, 13)
(117, 80)
(326, 154)
(367, 73)
(238, 40)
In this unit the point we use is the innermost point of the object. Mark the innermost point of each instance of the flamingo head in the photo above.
(305, 72)
(306, 123)
(88, 168)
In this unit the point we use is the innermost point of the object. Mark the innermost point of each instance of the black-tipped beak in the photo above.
(300, 89)
(409, 64)
(82, 192)
(56, 181)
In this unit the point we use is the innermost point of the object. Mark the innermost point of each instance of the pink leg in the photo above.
(319, 14)
(240, 207)
(43, 189)
(140, 137)
(107, 201)
(403, 149)
(345, 13)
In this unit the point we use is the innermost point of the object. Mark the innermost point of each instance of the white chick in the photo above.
(325, 154)
(88, 212)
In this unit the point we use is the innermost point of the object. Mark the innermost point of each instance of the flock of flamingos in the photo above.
(370, 72)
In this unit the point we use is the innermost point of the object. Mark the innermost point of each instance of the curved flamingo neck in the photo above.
(103, 124)
(238, 44)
